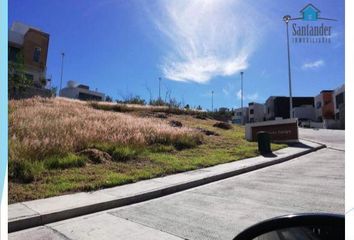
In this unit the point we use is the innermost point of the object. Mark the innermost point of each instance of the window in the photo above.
(14, 54)
(318, 105)
(339, 99)
(37, 54)
(251, 111)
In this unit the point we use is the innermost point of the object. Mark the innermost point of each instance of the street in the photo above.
(332, 138)
(220, 210)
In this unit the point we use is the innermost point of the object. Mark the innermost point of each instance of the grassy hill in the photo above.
(59, 146)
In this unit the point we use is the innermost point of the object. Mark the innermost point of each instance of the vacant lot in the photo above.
(59, 146)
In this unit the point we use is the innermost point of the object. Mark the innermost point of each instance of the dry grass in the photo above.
(42, 127)
(119, 107)
(46, 136)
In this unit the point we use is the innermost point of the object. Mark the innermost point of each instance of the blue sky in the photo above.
(121, 47)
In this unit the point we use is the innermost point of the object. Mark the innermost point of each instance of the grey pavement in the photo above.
(219, 210)
(332, 138)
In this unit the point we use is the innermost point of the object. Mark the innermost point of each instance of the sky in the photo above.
(122, 47)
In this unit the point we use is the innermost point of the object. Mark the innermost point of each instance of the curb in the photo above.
(39, 220)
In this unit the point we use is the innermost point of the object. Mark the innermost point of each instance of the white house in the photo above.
(81, 92)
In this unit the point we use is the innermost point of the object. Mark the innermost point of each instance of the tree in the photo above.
(109, 99)
(16, 75)
(53, 91)
(187, 107)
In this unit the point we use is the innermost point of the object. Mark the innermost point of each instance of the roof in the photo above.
(22, 28)
(18, 30)
(310, 6)
(15, 37)
(241, 109)
(326, 91)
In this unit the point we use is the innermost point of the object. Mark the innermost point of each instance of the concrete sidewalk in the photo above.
(43, 211)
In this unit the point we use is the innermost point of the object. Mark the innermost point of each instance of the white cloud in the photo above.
(251, 97)
(313, 65)
(225, 91)
(206, 38)
(239, 95)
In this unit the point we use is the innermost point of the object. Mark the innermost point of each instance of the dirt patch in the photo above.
(201, 116)
(207, 132)
(175, 123)
(160, 115)
(96, 156)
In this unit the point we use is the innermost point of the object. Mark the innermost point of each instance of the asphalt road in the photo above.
(220, 210)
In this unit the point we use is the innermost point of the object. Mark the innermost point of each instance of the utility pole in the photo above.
(242, 98)
(212, 101)
(62, 68)
(286, 19)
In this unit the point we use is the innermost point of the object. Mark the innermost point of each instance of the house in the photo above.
(29, 46)
(81, 92)
(324, 105)
(305, 113)
(279, 107)
(310, 13)
(339, 105)
(338, 101)
(240, 116)
(256, 112)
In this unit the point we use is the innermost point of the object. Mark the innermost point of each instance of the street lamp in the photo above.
(160, 88)
(61, 74)
(286, 19)
(212, 101)
(242, 98)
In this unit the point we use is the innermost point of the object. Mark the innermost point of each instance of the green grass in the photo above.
(25, 171)
(72, 173)
(119, 153)
(68, 161)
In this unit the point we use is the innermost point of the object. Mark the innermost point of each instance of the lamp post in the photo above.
(160, 88)
(62, 67)
(241, 98)
(212, 101)
(286, 19)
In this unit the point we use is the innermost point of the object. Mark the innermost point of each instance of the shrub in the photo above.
(67, 161)
(25, 171)
(124, 153)
(186, 142)
(133, 100)
(110, 107)
(175, 123)
(223, 125)
(161, 148)
(161, 115)
(95, 155)
(202, 116)
(104, 147)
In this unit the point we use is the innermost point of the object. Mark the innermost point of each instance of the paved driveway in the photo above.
(332, 138)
